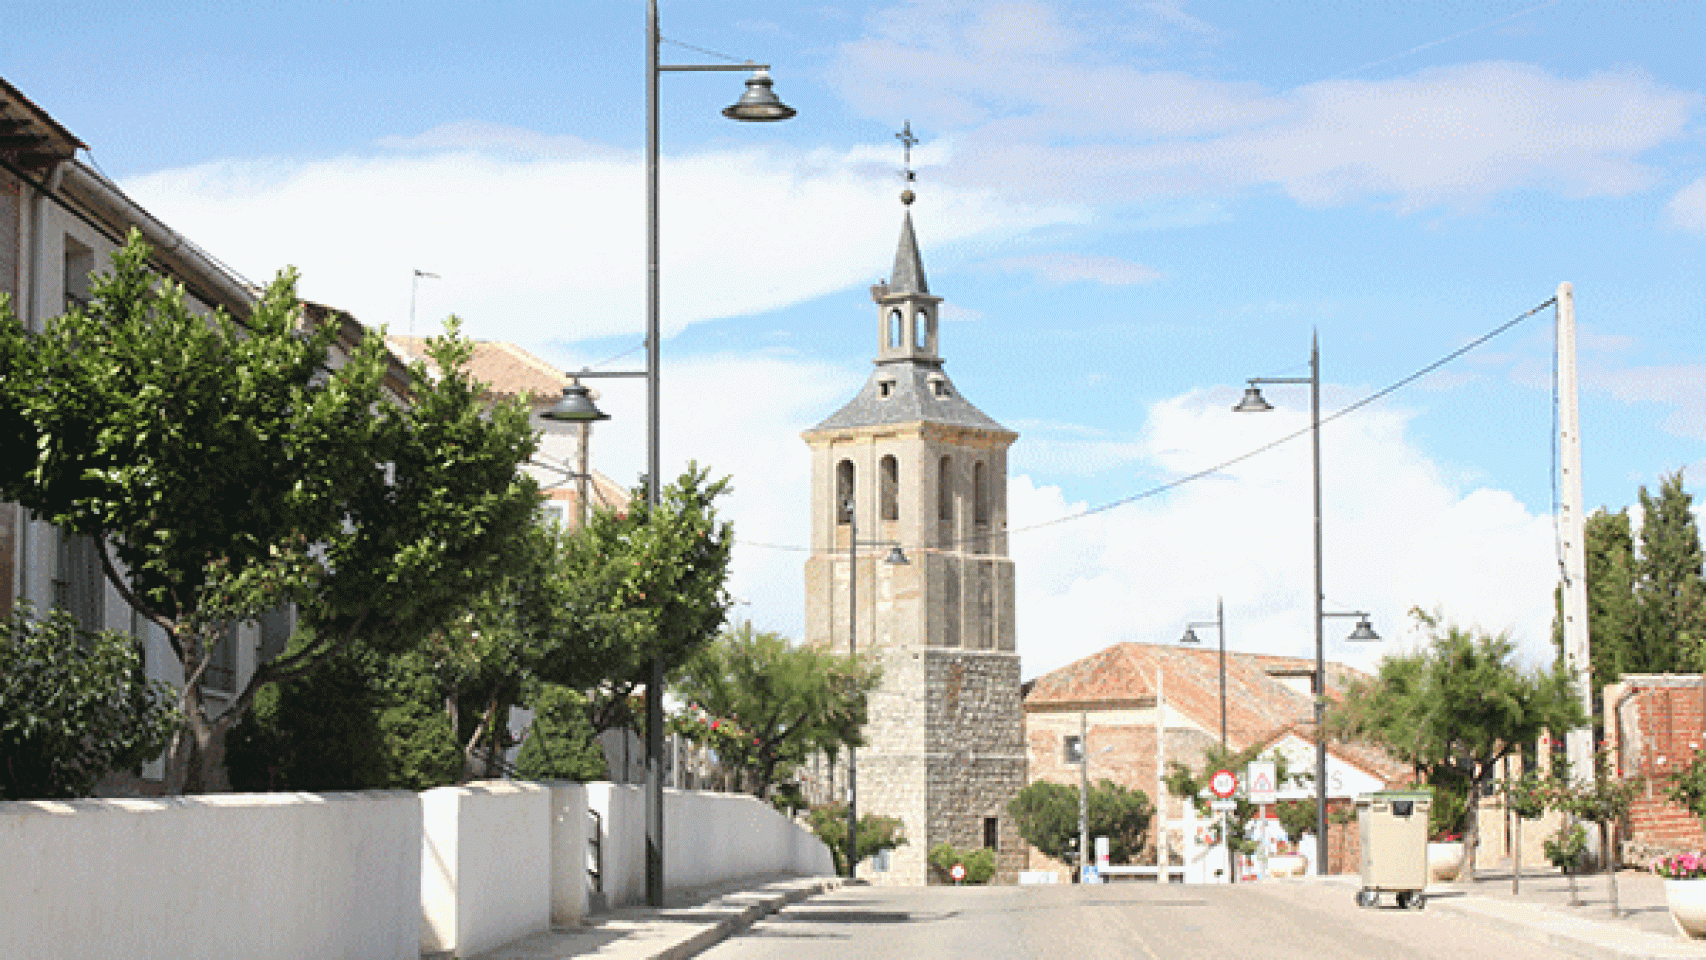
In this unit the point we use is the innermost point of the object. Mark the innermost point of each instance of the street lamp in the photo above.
(758, 103)
(1254, 403)
(895, 557)
(1219, 625)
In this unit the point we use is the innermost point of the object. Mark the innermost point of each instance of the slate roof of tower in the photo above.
(911, 399)
(908, 275)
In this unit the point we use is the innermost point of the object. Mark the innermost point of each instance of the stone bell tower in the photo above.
(910, 462)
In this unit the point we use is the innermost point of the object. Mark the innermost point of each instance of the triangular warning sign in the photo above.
(1262, 784)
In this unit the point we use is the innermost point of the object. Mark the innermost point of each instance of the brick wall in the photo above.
(1654, 725)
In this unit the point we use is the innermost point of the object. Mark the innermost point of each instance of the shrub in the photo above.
(979, 863)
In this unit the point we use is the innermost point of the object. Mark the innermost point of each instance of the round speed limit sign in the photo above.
(1223, 783)
(958, 872)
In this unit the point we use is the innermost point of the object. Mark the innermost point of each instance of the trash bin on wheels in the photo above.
(1393, 825)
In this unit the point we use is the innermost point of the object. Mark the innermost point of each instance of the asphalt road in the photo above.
(1143, 921)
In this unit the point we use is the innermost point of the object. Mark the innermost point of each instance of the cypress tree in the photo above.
(1670, 592)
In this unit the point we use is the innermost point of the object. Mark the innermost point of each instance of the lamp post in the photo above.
(1253, 403)
(757, 104)
(896, 557)
(1219, 625)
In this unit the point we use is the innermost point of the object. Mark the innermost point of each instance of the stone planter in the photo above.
(1687, 901)
(1443, 859)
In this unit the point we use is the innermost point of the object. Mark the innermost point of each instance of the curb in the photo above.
(752, 907)
(1571, 935)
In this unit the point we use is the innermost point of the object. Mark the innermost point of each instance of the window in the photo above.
(889, 479)
(979, 494)
(939, 386)
(221, 673)
(79, 585)
(1071, 749)
(885, 388)
(992, 833)
(844, 492)
(79, 263)
(920, 330)
(895, 334)
(945, 491)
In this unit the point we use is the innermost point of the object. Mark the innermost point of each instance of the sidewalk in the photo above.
(1543, 913)
(689, 923)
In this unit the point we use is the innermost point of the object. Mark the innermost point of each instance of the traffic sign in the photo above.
(1263, 781)
(1223, 806)
(958, 872)
(1223, 783)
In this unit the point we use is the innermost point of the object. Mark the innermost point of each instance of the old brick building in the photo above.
(1117, 692)
(910, 462)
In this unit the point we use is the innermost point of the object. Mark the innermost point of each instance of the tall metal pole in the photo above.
(654, 689)
(1083, 792)
(1320, 629)
(852, 649)
(1578, 742)
(1220, 628)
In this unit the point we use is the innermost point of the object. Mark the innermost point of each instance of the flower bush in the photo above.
(1682, 866)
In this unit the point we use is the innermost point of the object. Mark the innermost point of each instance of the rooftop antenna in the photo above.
(907, 141)
(414, 288)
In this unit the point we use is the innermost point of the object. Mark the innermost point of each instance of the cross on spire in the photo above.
(907, 142)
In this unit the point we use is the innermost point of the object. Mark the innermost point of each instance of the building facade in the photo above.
(911, 463)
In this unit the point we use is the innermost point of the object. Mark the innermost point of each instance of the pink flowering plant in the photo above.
(1681, 866)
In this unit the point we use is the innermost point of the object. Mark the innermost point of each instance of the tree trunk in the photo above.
(1516, 856)
(1471, 833)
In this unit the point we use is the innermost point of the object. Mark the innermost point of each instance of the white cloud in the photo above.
(1687, 209)
(1065, 117)
(1396, 536)
(1078, 267)
(1676, 387)
(538, 237)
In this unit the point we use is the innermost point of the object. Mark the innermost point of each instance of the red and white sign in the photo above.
(1263, 778)
(958, 872)
(1223, 783)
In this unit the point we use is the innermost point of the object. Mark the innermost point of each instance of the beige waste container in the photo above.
(1393, 825)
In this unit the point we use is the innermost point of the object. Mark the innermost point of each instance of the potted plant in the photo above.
(1685, 873)
(1445, 853)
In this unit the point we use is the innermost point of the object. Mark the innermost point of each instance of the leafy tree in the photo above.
(1459, 705)
(1047, 817)
(876, 834)
(226, 469)
(561, 744)
(1670, 593)
(73, 707)
(788, 701)
(1610, 549)
(979, 863)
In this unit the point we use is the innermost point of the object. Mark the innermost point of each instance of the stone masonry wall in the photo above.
(976, 751)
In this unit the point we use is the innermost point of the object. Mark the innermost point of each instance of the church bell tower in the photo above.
(909, 462)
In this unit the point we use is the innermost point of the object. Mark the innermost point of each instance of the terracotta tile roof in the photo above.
(1259, 707)
(506, 369)
(605, 494)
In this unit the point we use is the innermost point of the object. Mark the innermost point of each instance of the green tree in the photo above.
(876, 834)
(561, 744)
(788, 701)
(1670, 594)
(1459, 705)
(228, 468)
(73, 707)
(1047, 816)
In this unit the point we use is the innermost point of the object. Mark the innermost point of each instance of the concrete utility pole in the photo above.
(1578, 743)
(1161, 858)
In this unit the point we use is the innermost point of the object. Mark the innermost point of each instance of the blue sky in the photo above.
(1130, 208)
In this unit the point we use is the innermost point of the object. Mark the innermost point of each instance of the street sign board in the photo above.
(1223, 783)
(1262, 780)
(958, 872)
(1223, 806)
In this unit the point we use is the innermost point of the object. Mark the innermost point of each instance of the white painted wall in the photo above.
(284, 875)
(709, 839)
(485, 865)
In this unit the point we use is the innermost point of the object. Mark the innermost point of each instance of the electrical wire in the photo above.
(1217, 468)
